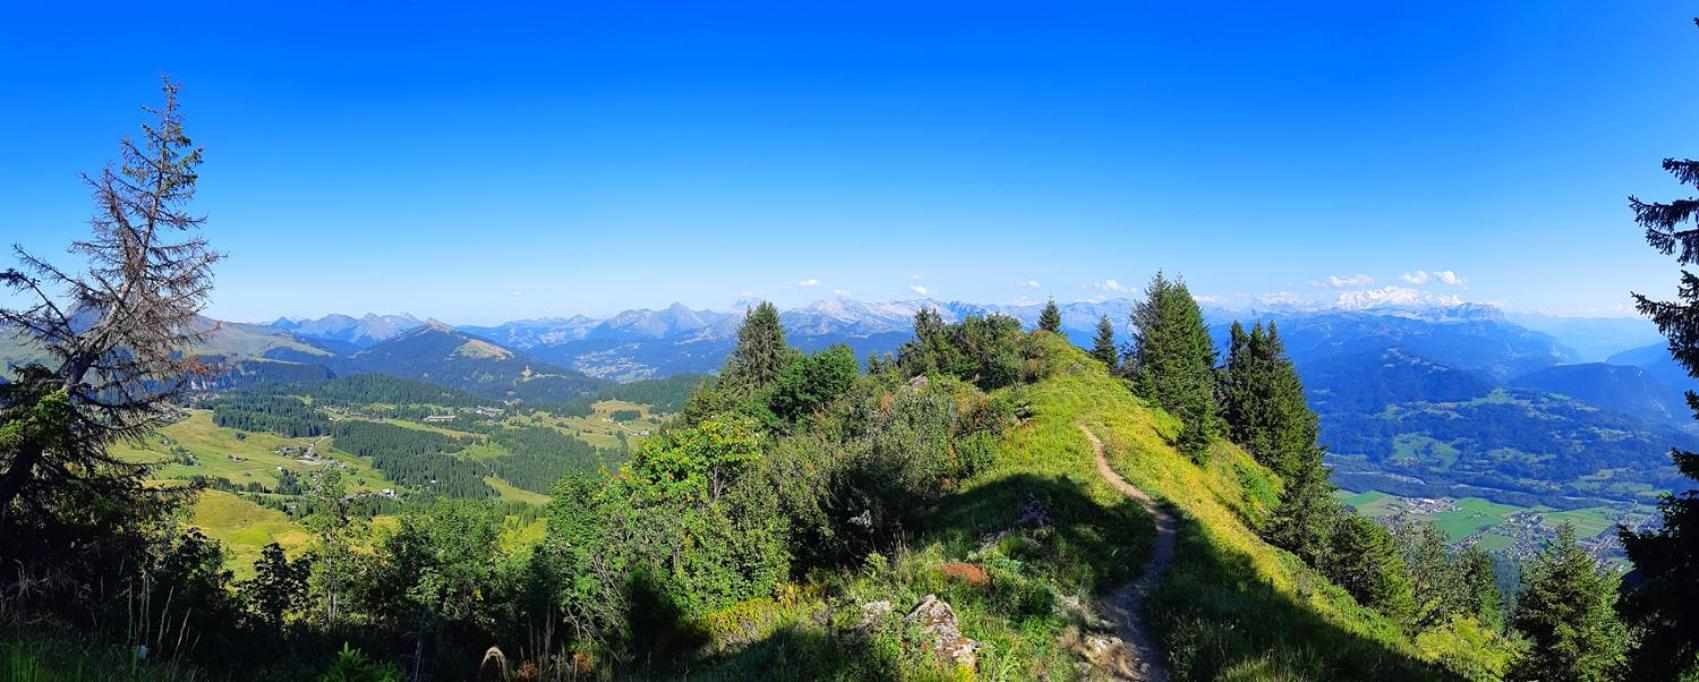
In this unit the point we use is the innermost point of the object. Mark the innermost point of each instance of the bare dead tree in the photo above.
(116, 334)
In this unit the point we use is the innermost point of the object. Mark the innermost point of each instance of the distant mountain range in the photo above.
(1429, 401)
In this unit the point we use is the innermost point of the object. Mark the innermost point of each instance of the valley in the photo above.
(1461, 407)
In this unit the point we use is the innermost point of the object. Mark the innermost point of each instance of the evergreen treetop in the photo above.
(761, 351)
(1565, 612)
(1173, 363)
(1263, 403)
(1050, 319)
(1103, 347)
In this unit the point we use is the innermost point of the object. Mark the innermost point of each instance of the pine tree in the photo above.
(1565, 612)
(1103, 347)
(1663, 608)
(1050, 319)
(1263, 403)
(761, 351)
(1174, 361)
(116, 336)
(1484, 597)
(1366, 564)
(1435, 579)
(1304, 522)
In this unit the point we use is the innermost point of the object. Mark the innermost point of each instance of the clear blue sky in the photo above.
(483, 164)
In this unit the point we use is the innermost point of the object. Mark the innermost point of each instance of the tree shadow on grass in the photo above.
(1217, 618)
(1091, 544)
(800, 654)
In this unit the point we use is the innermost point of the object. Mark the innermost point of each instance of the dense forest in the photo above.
(282, 415)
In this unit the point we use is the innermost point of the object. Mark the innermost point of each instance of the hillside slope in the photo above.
(1226, 586)
(1034, 595)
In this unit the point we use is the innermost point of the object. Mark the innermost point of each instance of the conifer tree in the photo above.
(116, 336)
(1263, 404)
(1103, 347)
(1364, 561)
(1565, 612)
(761, 351)
(1485, 599)
(1304, 522)
(1663, 608)
(1174, 361)
(1436, 580)
(1050, 319)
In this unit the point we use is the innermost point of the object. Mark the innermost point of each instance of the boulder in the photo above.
(943, 637)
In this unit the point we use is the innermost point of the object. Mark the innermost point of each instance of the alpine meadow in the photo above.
(884, 342)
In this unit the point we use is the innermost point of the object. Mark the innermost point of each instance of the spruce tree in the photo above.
(1485, 600)
(761, 351)
(1263, 403)
(1174, 361)
(1050, 319)
(1103, 347)
(1304, 522)
(1663, 608)
(1565, 613)
(1365, 562)
(115, 338)
(1437, 580)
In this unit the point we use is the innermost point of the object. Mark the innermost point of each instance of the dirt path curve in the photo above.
(1125, 605)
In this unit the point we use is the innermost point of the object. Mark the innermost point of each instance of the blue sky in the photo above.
(483, 164)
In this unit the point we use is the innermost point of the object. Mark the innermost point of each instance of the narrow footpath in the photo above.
(1125, 605)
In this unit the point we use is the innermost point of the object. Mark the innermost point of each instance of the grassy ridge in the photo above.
(1231, 605)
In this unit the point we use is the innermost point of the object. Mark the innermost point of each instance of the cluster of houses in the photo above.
(481, 411)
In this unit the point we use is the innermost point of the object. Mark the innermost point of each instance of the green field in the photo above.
(599, 428)
(243, 528)
(1473, 514)
(1493, 525)
(220, 452)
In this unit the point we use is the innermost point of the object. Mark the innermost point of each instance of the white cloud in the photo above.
(916, 288)
(1108, 285)
(916, 278)
(1278, 298)
(515, 293)
(1394, 296)
(840, 292)
(1421, 277)
(810, 282)
(1346, 281)
(1029, 284)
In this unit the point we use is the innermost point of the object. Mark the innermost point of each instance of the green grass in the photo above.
(244, 528)
(506, 491)
(30, 656)
(1422, 449)
(1097, 540)
(1472, 515)
(598, 428)
(213, 448)
(1231, 605)
(1495, 542)
(1589, 522)
(1373, 504)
